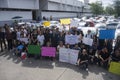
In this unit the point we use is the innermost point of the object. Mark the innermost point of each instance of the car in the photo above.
(111, 25)
(55, 24)
(117, 32)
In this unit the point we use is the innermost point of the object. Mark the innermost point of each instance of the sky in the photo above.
(104, 2)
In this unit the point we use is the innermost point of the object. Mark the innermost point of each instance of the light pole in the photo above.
(82, 9)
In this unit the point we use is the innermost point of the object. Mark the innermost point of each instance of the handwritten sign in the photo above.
(65, 21)
(71, 39)
(107, 34)
(34, 49)
(46, 23)
(68, 55)
(114, 68)
(87, 41)
(74, 23)
(48, 51)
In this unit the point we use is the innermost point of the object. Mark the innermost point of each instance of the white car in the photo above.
(112, 25)
(55, 24)
(117, 32)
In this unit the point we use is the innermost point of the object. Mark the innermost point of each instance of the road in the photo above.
(13, 68)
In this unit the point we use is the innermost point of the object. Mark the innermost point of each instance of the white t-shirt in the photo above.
(58, 47)
(79, 38)
(41, 38)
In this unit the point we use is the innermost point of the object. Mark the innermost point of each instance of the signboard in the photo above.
(46, 23)
(87, 41)
(24, 40)
(34, 49)
(71, 39)
(68, 55)
(65, 21)
(48, 51)
(107, 34)
(74, 23)
(114, 68)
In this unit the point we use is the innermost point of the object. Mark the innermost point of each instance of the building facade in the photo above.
(37, 9)
(62, 8)
(24, 9)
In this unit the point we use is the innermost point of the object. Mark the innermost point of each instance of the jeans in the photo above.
(10, 45)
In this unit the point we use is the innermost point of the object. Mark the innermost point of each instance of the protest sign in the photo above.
(65, 21)
(48, 51)
(74, 23)
(107, 34)
(24, 40)
(71, 39)
(87, 41)
(34, 49)
(114, 68)
(46, 23)
(68, 55)
(64, 55)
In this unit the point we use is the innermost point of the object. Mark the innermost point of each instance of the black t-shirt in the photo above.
(2, 35)
(83, 57)
(104, 55)
(14, 35)
(115, 58)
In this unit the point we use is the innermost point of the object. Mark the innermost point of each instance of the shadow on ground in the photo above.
(49, 64)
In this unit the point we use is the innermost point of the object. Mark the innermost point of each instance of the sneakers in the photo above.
(86, 69)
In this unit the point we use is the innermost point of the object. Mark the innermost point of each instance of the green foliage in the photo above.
(109, 10)
(97, 8)
(117, 7)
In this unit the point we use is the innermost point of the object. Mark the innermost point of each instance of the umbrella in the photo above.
(17, 17)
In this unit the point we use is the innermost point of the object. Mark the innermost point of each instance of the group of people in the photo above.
(100, 53)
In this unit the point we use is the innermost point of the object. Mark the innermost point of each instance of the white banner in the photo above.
(68, 55)
(74, 23)
(71, 39)
(24, 40)
(87, 41)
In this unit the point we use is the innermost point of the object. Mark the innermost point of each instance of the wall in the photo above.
(6, 16)
(20, 4)
(3, 3)
(57, 15)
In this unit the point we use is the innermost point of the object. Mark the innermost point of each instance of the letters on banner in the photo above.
(48, 51)
(107, 34)
(115, 68)
(24, 40)
(68, 55)
(74, 23)
(71, 39)
(87, 41)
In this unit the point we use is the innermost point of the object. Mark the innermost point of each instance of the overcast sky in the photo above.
(104, 2)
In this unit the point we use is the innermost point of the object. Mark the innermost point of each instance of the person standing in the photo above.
(2, 39)
(9, 38)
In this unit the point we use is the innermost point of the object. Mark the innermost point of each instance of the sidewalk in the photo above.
(13, 68)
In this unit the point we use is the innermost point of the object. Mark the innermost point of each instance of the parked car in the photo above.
(112, 25)
(117, 32)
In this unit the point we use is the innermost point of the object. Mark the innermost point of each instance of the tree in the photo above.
(109, 10)
(117, 7)
(97, 8)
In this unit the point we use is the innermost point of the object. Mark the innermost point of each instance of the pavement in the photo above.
(13, 68)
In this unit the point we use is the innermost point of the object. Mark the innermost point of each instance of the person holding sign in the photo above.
(83, 60)
(60, 46)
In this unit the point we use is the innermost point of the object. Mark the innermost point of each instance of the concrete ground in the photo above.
(13, 68)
